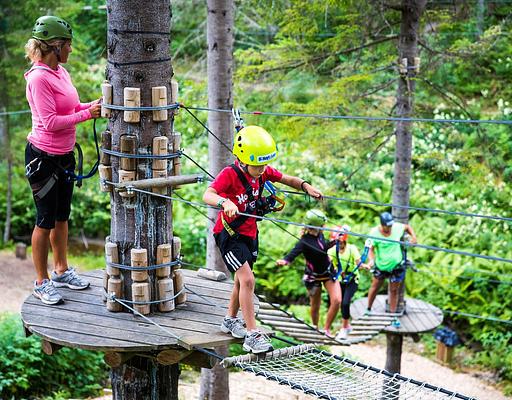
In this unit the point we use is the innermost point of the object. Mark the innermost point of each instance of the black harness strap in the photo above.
(233, 226)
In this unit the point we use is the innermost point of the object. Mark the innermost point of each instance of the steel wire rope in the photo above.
(359, 117)
(426, 209)
(322, 228)
(169, 332)
(494, 319)
(465, 277)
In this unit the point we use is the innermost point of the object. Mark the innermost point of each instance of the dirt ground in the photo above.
(16, 283)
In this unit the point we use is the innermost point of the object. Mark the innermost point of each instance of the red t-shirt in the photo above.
(228, 185)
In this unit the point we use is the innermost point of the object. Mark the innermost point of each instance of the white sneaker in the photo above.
(69, 279)
(47, 293)
(235, 326)
(257, 342)
(342, 334)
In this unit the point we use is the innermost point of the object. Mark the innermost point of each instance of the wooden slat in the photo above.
(84, 322)
(413, 321)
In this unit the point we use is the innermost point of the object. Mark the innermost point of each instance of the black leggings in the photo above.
(347, 292)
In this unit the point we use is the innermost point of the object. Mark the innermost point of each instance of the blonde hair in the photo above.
(36, 49)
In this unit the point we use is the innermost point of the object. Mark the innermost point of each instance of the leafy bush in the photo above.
(25, 371)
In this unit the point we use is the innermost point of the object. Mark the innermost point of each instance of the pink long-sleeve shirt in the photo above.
(56, 109)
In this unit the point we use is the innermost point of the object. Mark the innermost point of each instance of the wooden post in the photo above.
(143, 378)
(106, 91)
(393, 364)
(21, 251)
(131, 99)
(159, 98)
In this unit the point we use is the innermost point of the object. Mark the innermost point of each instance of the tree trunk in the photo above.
(394, 341)
(138, 44)
(141, 378)
(6, 142)
(480, 18)
(142, 221)
(407, 49)
(220, 27)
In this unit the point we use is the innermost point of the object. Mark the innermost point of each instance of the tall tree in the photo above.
(220, 27)
(138, 42)
(412, 11)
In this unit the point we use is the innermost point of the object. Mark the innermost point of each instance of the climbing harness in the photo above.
(346, 278)
(261, 206)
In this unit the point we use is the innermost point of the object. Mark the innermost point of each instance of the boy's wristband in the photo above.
(221, 201)
(302, 185)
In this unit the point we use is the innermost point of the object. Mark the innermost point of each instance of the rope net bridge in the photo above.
(364, 328)
(326, 376)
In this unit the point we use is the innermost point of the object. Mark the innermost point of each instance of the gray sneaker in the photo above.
(257, 342)
(69, 279)
(46, 292)
(235, 326)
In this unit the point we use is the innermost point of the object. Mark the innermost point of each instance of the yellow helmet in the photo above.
(254, 146)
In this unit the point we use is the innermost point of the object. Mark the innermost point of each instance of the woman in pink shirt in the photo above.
(49, 157)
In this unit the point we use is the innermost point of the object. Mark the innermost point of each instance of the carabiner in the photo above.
(28, 168)
(239, 122)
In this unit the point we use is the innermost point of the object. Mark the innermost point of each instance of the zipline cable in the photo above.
(322, 228)
(360, 117)
(427, 209)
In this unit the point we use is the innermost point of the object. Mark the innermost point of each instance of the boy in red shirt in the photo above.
(238, 188)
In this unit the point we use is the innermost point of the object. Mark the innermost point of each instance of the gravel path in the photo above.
(16, 284)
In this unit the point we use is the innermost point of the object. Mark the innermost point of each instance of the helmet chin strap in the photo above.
(56, 51)
(243, 166)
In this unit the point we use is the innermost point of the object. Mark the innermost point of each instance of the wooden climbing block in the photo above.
(444, 353)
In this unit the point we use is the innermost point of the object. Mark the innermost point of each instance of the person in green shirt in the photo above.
(387, 258)
(348, 258)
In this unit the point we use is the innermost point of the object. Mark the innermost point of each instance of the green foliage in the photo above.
(25, 371)
(329, 57)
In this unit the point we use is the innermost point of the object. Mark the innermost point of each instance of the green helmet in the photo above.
(315, 217)
(49, 27)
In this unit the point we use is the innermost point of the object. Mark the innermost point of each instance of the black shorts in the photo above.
(55, 204)
(237, 249)
(395, 275)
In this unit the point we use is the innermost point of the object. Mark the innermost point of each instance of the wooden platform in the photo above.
(419, 316)
(84, 322)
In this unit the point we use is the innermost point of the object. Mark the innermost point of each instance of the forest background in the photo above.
(323, 57)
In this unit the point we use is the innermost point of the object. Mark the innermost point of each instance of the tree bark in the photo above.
(141, 378)
(143, 221)
(394, 341)
(138, 44)
(220, 27)
(6, 142)
(407, 48)
(412, 11)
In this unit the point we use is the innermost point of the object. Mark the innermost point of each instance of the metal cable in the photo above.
(433, 210)
(361, 118)
(322, 228)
